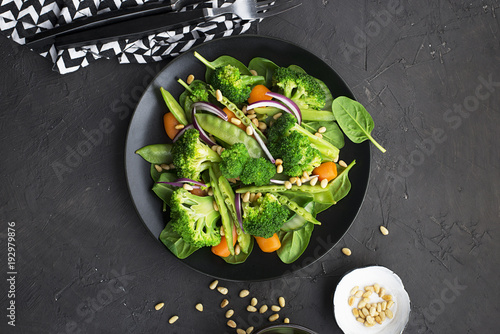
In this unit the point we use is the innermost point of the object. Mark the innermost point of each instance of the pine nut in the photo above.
(173, 319)
(278, 115)
(376, 288)
(251, 308)
(336, 159)
(369, 288)
(250, 330)
(190, 79)
(367, 324)
(199, 307)
(224, 303)
(246, 197)
(319, 135)
(237, 249)
(382, 316)
(216, 207)
(218, 95)
(389, 304)
(299, 182)
(378, 319)
(275, 308)
(222, 290)
(379, 307)
(355, 312)
(244, 293)
(288, 185)
(179, 127)
(324, 183)
(213, 285)
(367, 294)
(254, 72)
(244, 109)
(231, 323)
(365, 311)
(322, 129)
(220, 149)
(235, 121)
(262, 126)
(361, 304)
(263, 309)
(358, 294)
(158, 168)
(346, 251)
(342, 163)
(279, 169)
(258, 195)
(159, 306)
(372, 311)
(274, 317)
(251, 111)
(255, 122)
(229, 313)
(382, 292)
(240, 331)
(281, 301)
(188, 187)
(389, 314)
(354, 290)
(387, 298)
(253, 301)
(361, 315)
(252, 116)
(350, 301)
(249, 130)
(279, 162)
(384, 230)
(361, 320)
(286, 321)
(313, 181)
(384, 305)
(165, 166)
(222, 231)
(305, 175)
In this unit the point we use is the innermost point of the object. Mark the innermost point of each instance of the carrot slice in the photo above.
(327, 170)
(269, 245)
(221, 249)
(169, 122)
(258, 93)
(231, 115)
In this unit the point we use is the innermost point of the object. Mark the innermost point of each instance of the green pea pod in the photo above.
(297, 209)
(174, 107)
(156, 153)
(229, 133)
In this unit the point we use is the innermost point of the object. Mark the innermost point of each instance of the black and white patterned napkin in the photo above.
(22, 18)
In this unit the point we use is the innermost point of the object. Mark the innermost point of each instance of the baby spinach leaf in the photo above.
(242, 256)
(354, 120)
(162, 190)
(175, 243)
(155, 175)
(294, 243)
(156, 153)
(333, 134)
(263, 67)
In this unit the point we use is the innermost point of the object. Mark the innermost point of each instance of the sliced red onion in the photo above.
(180, 182)
(277, 181)
(237, 204)
(184, 180)
(210, 108)
(203, 134)
(264, 147)
(177, 184)
(289, 103)
(180, 133)
(269, 103)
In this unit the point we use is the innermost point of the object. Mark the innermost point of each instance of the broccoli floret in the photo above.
(194, 218)
(299, 149)
(302, 88)
(264, 217)
(197, 90)
(233, 160)
(257, 171)
(191, 156)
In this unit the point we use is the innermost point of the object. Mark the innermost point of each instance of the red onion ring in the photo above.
(180, 133)
(264, 147)
(269, 103)
(180, 182)
(210, 108)
(237, 204)
(289, 103)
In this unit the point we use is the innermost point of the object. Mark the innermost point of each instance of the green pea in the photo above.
(157, 153)
(174, 107)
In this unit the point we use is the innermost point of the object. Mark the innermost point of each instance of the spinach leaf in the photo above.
(156, 153)
(297, 68)
(263, 67)
(242, 256)
(294, 243)
(175, 243)
(324, 87)
(336, 190)
(162, 190)
(222, 61)
(354, 120)
(333, 134)
(155, 175)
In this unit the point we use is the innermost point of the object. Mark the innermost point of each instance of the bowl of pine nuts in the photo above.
(371, 300)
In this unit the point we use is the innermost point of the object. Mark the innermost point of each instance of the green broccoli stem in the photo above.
(327, 150)
(204, 61)
(251, 80)
(183, 83)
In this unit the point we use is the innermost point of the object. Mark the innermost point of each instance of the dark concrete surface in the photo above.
(430, 75)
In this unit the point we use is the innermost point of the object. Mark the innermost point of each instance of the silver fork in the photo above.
(143, 26)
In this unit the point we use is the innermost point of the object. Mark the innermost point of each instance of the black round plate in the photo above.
(146, 128)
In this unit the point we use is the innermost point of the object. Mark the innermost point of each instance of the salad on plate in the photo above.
(254, 158)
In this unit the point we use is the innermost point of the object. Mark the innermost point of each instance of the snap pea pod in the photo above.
(229, 133)
(307, 114)
(240, 114)
(156, 153)
(174, 106)
(297, 209)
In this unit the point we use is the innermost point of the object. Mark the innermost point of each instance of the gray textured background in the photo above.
(86, 264)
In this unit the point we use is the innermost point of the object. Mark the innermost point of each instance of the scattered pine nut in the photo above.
(355, 312)
(384, 305)
(244, 109)
(159, 306)
(319, 135)
(263, 309)
(373, 310)
(387, 298)
(376, 288)
(293, 180)
(384, 230)
(288, 185)
(222, 231)
(244, 293)
(250, 112)
(382, 316)
(262, 126)
(346, 251)
(246, 197)
(324, 183)
(281, 301)
(382, 292)
(173, 319)
(369, 288)
(367, 324)
(250, 330)
(213, 285)
(336, 159)
(279, 162)
(188, 187)
(361, 320)
(253, 301)
(342, 163)
(358, 294)
(255, 122)
(313, 181)
(229, 313)
(286, 321)
(224, 303)
(252, 116)
(305, 175)
(249, 130)
(274, 317)
(222, 290)
(190, 79)
(199, 307)
(235, 121)
(365, 311)
(389, 304)
(389, 314)
(350, 301)
(258, 195)
(278, 115)
(179, 126)
(231, 323)
(367, 294)
(251, 308)
(216, 207)
(158, 168)
(254, 72)
(218, 95)
(361, 304)
(299, 182)
(237, 249)
(279, 169)
(240, 331)
(275, 308)
(322, 129)
(165, 166)
(354, 290)
(379, 307)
